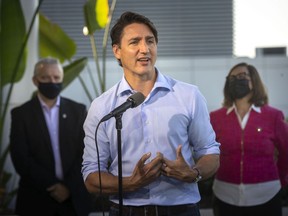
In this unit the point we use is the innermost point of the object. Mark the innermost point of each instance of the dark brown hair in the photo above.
(128, 18)
(259, 97)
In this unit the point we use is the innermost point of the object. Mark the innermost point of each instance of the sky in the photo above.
(259, 23)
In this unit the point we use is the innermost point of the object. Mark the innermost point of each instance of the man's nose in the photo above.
(144, 47)
(53, 80)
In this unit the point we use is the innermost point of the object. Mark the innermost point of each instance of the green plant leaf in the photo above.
(4, 178)
(12, 35)
(8, 198)
(3, 156)
(96, 14)
(73, 70)
(53, 41)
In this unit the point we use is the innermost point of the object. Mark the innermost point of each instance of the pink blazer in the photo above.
(259, 153)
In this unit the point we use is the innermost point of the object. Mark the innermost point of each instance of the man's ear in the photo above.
(117, 51)
(35, 81)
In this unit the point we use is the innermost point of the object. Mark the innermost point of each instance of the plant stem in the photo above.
(105, 39)
(95, 55)
(14, 72)
(85, 88)
(92, 80)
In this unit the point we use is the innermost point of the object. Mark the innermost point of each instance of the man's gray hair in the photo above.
(46, 61)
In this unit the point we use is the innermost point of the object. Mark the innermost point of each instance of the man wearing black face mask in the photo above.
(46, 148)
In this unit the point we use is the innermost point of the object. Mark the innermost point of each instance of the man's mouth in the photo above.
(144, 59)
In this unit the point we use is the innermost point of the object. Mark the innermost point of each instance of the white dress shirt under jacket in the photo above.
(52, 121)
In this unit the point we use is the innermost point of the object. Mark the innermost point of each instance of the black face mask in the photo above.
(239, 88)
(50, 90)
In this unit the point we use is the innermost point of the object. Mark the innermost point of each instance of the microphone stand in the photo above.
(119, 127)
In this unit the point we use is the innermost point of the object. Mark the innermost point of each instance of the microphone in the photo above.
(133, 101)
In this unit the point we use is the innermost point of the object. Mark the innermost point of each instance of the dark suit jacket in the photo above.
(32, 156)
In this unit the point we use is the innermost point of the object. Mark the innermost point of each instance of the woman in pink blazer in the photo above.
(254, 148)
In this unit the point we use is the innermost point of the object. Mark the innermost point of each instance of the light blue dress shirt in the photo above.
(173, 113)
(52, 122)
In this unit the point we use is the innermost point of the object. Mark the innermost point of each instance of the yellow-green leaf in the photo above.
(102, 12)
(96, 14)
(53, 41)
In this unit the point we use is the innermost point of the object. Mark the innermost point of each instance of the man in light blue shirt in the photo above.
(168, 143)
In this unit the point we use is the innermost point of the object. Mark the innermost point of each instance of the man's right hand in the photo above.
(59, 192)
(146, 172)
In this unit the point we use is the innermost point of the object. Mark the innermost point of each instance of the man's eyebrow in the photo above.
(139, 38)
(134, 38)
(150, 37)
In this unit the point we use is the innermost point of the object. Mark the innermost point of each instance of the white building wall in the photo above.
(207, 73)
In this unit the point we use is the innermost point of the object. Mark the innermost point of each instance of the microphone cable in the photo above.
(99, 171)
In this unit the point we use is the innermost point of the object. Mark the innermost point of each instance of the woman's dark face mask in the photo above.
(50, 90)
(239, 88)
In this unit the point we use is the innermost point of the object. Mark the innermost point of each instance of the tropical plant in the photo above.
(52, 42)
(98, 16)
(13, 54)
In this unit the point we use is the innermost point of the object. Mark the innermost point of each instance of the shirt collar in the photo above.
(253, 107)
(161, 81)
(57, 104)
(125, 88)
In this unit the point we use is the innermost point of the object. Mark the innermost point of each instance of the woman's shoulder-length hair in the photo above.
(259, 96)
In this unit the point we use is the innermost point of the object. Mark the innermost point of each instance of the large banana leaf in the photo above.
(96, 14)
(73, 70)
(54, 41)
(12, 35)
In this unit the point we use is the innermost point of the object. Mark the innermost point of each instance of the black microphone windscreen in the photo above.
(137, 99)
